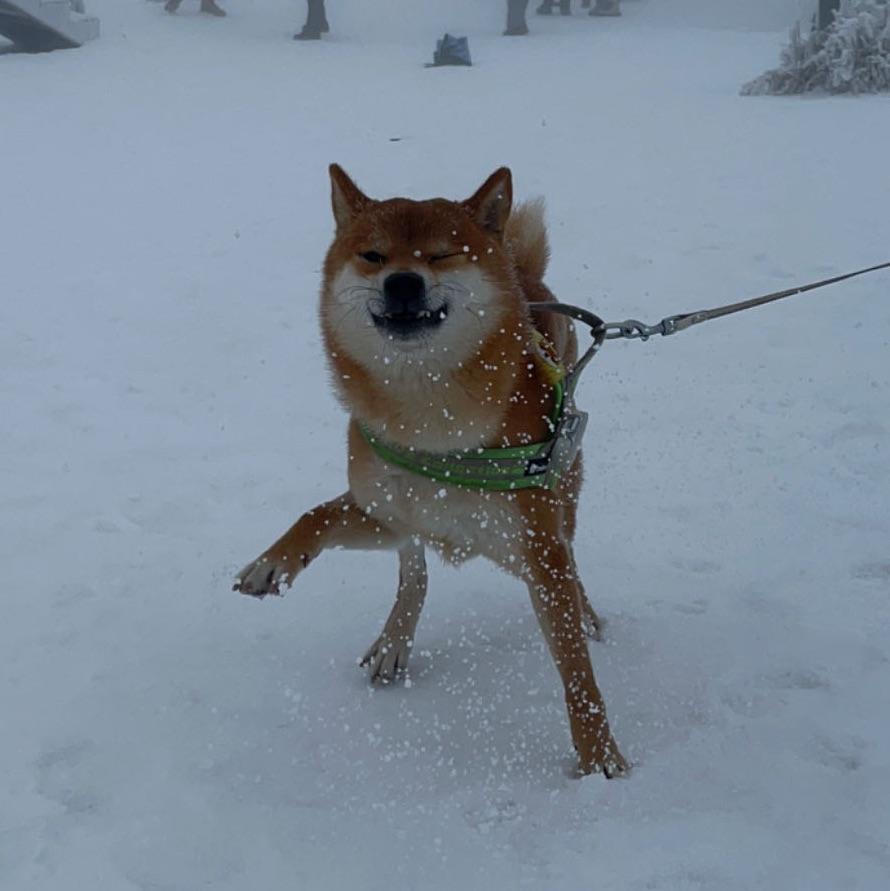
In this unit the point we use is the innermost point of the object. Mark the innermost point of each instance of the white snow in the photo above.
(166, 414)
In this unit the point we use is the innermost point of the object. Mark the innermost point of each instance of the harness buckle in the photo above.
(539, 465)
(560, 457)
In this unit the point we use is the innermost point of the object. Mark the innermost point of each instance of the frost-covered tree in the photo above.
(851, 55)
(826, 11)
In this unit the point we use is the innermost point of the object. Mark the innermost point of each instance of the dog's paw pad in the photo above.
(386, 659)
(262, 577)
(606, 760)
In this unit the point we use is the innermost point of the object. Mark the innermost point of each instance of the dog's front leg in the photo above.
(388, 656)
(557, 599)
(338, 523)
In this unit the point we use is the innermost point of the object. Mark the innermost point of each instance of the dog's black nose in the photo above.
(405, 293)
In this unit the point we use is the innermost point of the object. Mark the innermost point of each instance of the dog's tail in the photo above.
(526, 237)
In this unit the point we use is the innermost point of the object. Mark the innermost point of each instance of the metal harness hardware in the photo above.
(631, 329)
(543, 464)
(534, 466)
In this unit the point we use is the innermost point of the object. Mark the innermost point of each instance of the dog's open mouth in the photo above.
(410, 323)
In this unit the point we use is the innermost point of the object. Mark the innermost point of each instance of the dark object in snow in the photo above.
(546, 8)
(852, 55)
(316, 22)
(35, 26)
(451, 51)
(602, 7)
(207, 6)
(516, 23)
(827, 10)
(606, 8)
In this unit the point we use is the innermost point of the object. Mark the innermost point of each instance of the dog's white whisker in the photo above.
(355, 293)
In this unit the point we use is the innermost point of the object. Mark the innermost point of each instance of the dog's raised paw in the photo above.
(266, 575)
(386, 659)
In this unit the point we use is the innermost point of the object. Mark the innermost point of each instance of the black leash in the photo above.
(632, 329)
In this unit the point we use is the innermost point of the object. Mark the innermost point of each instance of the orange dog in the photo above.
(426, 321)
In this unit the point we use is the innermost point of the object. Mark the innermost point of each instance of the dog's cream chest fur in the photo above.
(458, 523)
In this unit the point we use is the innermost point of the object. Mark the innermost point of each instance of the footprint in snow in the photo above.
(798, 679)
(873, 572)
(697, 565)
(869, 430)
(60, 777)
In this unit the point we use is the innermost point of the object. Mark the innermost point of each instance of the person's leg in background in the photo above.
(516, 24)
(316, 21)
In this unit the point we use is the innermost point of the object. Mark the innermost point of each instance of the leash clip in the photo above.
(633, 329)
(670, 324)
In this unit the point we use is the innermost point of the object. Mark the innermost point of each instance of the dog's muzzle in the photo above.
(405, 310)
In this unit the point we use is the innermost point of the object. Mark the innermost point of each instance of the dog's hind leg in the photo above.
(590, 621)
(388, 655)
(556, 596)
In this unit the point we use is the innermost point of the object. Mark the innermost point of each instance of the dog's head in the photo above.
(416, 283)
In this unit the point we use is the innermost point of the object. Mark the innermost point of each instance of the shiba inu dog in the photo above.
(434, 354)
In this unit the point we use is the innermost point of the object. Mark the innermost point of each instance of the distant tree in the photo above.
(850, 55)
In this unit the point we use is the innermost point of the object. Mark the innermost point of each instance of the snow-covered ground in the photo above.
(164, 414)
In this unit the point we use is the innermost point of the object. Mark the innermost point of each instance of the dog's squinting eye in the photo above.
(373, 257)
(437, 257)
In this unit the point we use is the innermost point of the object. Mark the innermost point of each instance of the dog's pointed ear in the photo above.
(490, 205)
(347, 199)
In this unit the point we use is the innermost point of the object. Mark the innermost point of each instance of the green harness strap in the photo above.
(492, 470)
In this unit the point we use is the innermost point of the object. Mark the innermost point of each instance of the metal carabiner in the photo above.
(631, 329)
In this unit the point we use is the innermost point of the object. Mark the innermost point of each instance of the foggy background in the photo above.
(165, 414)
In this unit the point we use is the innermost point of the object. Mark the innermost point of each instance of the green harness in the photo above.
(493, 470)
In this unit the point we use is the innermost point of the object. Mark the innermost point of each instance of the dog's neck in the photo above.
(499, 397)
